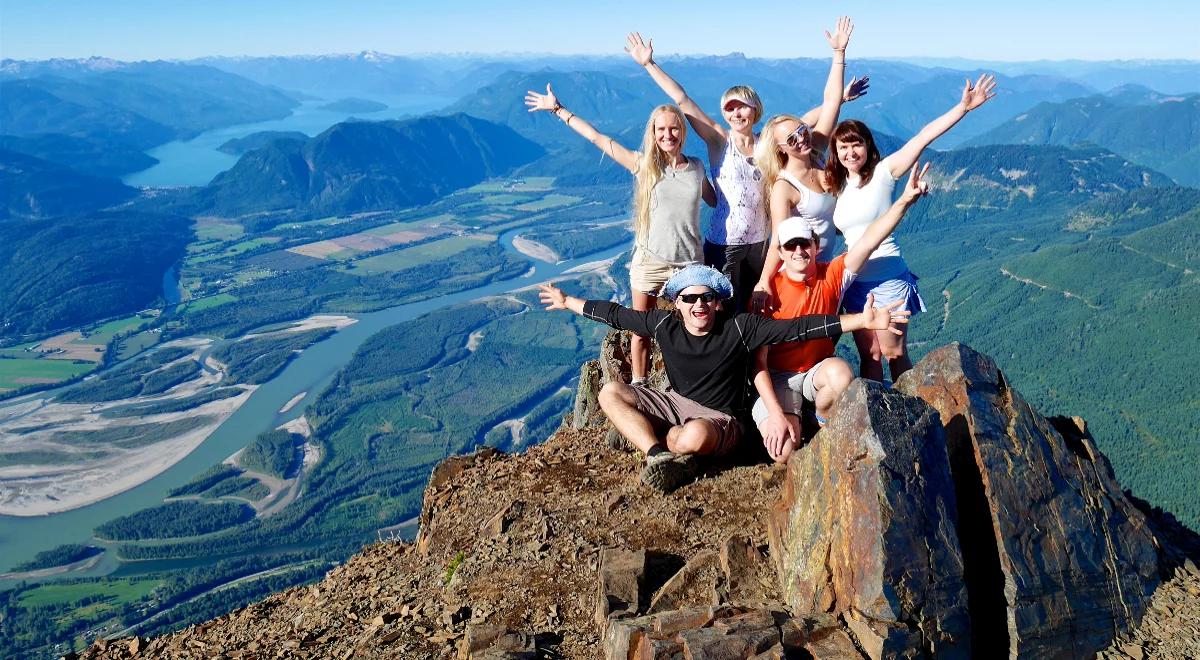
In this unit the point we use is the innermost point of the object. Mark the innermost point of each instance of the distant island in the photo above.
(239, 146)
(354, 105)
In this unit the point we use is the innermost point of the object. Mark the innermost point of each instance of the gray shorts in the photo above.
(792, 388)
(668, 409)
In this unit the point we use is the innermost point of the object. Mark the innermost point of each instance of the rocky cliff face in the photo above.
(944, 518)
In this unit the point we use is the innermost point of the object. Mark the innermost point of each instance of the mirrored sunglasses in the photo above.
(799, 136)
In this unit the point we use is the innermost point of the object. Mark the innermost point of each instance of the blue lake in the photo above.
(196, 161)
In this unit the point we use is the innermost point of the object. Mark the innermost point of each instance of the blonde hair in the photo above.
(744, 93)
(652, 162)
(768, 157)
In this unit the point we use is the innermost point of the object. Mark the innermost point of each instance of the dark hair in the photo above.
(850, 130)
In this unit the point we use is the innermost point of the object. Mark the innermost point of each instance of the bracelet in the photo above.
(839, 50)
(567, 121)
(557, 106)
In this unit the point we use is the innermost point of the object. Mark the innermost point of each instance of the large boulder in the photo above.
(1057, 560)
(864, 528)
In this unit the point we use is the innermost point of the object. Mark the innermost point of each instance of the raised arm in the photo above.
(778, 209)
(973, 96)
(549, 103)
(709, 130)
(855, 89)
(885, 224)
(764, 332)
(603, 311)
(832, 104)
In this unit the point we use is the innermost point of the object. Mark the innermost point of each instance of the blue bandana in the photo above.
(697, 275)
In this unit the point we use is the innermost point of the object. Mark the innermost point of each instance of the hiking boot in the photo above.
(618, 442)
(666, 471)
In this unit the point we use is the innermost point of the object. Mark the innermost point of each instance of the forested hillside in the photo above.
(364, 166)
(1158, 131)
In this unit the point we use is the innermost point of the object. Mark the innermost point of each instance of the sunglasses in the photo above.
(693, 298)
(798, 244)
(798, 136)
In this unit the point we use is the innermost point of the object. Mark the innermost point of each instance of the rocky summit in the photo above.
(942, 518)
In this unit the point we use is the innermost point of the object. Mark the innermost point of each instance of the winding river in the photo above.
(311, 371)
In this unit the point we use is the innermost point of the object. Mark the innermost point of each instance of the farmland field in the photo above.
(19, 372)
(415, 256)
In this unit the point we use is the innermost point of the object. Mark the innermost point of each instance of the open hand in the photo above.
(917, 185)
(552, 297)
(883, 317)
(776, 433)
(642, 52)
(857, 88)
(547, 101)
(841, 34)
(976, 95)
(760, 298)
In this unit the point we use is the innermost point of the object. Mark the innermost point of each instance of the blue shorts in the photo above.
(886, 292)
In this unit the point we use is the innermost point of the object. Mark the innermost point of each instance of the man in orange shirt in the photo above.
(789, 374)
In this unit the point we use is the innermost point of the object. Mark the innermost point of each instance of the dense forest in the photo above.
(275, 453)
(175, 519)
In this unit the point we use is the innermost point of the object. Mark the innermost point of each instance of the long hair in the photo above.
(850, 130)
(768, 156)
(652, 162)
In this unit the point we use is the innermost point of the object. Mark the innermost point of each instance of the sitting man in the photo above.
(789, 374)
(708, 354)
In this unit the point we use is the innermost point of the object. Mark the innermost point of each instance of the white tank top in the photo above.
(740, 217)
(817, 208)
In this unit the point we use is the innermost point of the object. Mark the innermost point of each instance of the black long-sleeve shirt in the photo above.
(712, 369)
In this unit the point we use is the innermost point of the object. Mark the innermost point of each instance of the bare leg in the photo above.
(870, 356)
(895, 349)
(697, 436)
(639, 346)
(618, 402)
(830, 381)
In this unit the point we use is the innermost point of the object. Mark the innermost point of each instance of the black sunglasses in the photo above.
(693, 298)
(798, 244)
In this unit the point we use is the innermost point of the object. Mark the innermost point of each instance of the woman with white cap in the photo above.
(669, 188)
(736, 239)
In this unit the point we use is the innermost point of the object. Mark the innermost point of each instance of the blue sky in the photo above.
(1012, 30)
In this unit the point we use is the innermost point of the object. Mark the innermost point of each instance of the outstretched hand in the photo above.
(882, 318)
(917, 185)
(552, 297)
(841, 34)
(547, 101)
(642, 52)
(976, 95)
(857, 88)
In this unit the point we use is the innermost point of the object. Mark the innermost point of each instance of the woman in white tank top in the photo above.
(788, 155)
(735, 241)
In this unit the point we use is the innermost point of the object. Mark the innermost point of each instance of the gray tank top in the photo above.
(674, 234)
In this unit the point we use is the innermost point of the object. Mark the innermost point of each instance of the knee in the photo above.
(894, 351)
(696, 437)
(614, 392)
(838, 375)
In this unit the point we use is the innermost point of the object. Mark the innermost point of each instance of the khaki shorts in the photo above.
(668, 409)
(792, 388)
(648, 273)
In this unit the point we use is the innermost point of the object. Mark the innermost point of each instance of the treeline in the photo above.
(258, 359)
(571, 243)
(175, 519)
(274, 452)
(59, 556)
(142, 375)
(173, 405)
(207, 479)
(295, 295)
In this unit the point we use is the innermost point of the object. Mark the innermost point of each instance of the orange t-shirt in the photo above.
(821, 294)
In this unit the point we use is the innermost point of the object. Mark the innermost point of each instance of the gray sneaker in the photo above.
(618, 442)
(666, 471)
